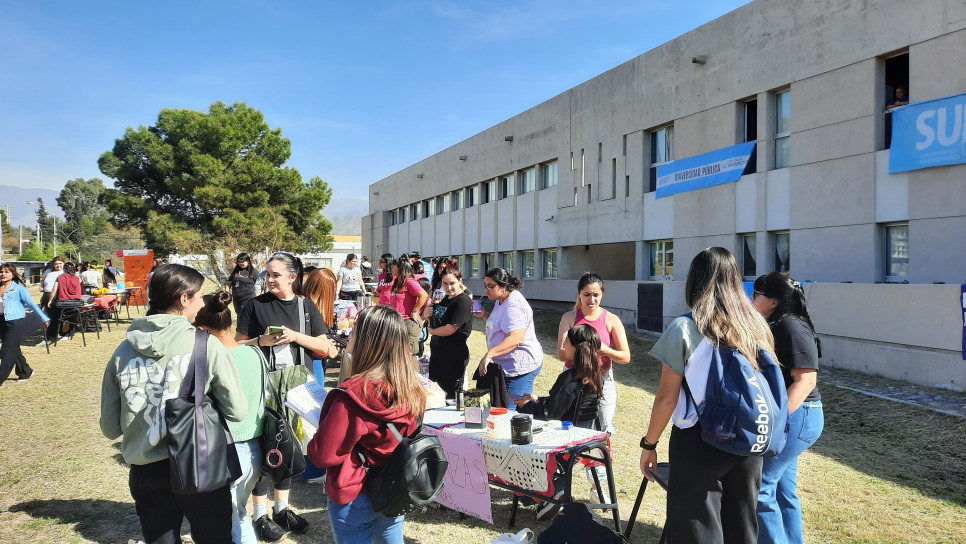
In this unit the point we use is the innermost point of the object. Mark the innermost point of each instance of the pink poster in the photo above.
(466, 488)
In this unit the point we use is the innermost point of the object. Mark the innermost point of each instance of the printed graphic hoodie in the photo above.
(349, 422)
(146, 370)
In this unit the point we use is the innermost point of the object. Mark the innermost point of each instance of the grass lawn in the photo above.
(881, 472)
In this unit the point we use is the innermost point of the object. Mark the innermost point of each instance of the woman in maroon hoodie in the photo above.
(383, 387)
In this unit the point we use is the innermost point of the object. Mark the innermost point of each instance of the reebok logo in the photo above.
(763, 420)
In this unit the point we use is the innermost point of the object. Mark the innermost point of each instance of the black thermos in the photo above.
(520, 430)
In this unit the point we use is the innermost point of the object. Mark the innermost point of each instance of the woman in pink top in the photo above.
(408, 298)
(613, 339)
(385, 278)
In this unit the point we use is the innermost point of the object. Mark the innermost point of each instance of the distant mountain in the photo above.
(25, 214)
(346, 214)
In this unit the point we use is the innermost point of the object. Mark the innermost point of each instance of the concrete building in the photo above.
(342, 245)
(569, 185)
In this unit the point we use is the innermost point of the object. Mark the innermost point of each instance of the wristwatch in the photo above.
(647, 446)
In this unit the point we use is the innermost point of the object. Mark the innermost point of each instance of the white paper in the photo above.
(283, 355)
(307, 400)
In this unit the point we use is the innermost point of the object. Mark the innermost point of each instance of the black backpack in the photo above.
(412, 476)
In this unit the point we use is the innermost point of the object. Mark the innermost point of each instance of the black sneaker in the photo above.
(290, 521)
(268, 530)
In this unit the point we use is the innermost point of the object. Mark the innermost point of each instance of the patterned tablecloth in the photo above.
(528, 466)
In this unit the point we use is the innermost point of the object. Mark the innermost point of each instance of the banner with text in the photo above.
(706, 170)
(931, 133)
(466, 487)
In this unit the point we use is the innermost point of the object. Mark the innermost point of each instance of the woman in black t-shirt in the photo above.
(241, 282)
(782, 302)
(297, 341)
(450, 324)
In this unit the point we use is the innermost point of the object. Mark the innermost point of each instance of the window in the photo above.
(783, 129)
(749, 268)
(471, 195)
(427, 208)
(440, 204)
(782, 253)
(489, 191)
(392, 217)
(505, 188)
(473, 263)
(489, 262)
(454, 200)
(549, 175)
(751, 121)
(459, 262)
(402, 214)
(897, 252)
(548, 258)
(506, 262)
(896, 90)
(662, 259)
(526, 260)
(662, 152)
(528, 181)
(413, 212)
(613, 178)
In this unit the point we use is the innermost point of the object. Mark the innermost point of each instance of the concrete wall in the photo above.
(833, 199)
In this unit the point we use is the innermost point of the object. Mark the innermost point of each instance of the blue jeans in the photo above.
(518, 386)
(250, 457)
(779, 509)
(358, 523)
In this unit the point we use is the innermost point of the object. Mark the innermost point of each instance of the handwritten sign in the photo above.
(466, 488)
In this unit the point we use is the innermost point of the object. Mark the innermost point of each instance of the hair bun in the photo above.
(220, 301)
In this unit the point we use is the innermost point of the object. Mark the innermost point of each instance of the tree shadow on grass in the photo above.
(101, 521)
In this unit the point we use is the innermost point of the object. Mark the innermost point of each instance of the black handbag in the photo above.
(282, 450)
(201, 451)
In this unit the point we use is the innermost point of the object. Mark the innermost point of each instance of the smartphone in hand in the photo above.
(275, 330)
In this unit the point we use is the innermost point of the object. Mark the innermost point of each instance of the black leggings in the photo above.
(11, 356)
(264, 485)
(161, 511)
(712, 494)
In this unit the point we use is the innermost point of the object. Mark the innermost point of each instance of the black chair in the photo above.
(586, 408)
(662, 477)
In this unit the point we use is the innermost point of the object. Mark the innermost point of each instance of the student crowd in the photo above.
(285, 319)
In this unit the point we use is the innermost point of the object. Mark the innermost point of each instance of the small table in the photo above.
(76, 317)
(136, 294)
(529, 469)
(108, 303)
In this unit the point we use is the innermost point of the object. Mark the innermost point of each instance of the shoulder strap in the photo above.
(197, 374)
(271, 383)
(301, 300)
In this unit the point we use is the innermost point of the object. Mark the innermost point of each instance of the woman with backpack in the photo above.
(215, 317)
(614, 347)
(782, 302)
(712, 496)
(290, 331)
(384, 388)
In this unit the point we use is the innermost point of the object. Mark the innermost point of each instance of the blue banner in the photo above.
(713, 168)
(931, 133)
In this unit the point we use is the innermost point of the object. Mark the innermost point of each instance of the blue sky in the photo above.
(361, 90)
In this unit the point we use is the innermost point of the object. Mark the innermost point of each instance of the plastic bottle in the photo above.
(498, 424)
(460, 399)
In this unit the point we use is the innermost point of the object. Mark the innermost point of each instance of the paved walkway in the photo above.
(938, 400)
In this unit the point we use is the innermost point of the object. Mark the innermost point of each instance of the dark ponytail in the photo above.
(790, 296)
(168, 283)
(504, 279)
(294, 266)
(586, 343)
(215, 315)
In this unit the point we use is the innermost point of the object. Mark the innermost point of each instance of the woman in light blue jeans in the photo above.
(781, 301)
(215, 318)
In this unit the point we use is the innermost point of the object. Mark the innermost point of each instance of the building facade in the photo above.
(570, 184)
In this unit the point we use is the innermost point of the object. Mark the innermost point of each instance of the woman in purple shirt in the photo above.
(511, 340)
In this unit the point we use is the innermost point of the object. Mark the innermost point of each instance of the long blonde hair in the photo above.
(721, 309)
(319, 287)
(381, 354)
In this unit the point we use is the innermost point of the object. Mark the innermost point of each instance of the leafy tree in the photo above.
(9, 240)
(85, 215)
(197, 182)
(33, 252)
(45, 221)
